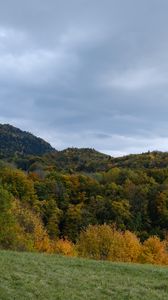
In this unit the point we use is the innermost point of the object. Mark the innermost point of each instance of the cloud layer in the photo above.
(86, 73)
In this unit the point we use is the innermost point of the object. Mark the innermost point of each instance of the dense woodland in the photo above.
(49, 196)
(14, 141)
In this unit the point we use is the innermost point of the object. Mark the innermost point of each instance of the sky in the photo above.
(86, 73)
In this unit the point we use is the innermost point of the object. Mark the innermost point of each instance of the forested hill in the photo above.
(148, 160)
(29, 152)
(86, 160)
(15, 141)
(58, 194)
(81, 160)
(90, 161)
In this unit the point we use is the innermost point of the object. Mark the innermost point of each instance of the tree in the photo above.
(8, 234)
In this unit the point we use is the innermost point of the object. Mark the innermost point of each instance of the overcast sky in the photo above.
(86, 73)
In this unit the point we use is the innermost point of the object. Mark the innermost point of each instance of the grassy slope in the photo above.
(38, 276)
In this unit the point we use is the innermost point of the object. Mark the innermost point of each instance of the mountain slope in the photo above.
(15, 141)
(70, 160)
(18, 144)
(81, 160)
(148, 160)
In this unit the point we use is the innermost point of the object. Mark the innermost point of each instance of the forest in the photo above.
(82, 202)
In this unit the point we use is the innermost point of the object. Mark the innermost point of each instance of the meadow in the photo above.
(42, 276)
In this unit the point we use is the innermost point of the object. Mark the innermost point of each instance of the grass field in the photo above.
(39, 276)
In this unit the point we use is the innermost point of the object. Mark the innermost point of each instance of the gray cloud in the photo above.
(86, 73)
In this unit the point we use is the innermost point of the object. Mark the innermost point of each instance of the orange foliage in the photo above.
(64, 247)
(154, 251)
(125, 247)
(105, 242)
(30, 231)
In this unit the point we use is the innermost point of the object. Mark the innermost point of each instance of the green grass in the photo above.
(39, 276)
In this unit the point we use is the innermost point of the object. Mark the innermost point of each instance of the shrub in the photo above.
(105, 242)
(64, 247)
(125, 247)
(95, 242)
(154, 251)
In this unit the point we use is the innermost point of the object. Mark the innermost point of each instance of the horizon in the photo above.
(86, 74)
(74, 147)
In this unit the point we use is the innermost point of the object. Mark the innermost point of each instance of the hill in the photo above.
(148, 160)
(80, 160)
(86, 160)
(24, 149)
(15, 141)
(39, 276)
(29, 152)
(75, 187)
(90, 160)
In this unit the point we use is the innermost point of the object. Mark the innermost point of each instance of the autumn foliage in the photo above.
(154, 251)
(64, 247)
(105, 242)
(67, 214)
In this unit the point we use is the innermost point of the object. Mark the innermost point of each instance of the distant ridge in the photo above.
(15, 141)
(16, 144)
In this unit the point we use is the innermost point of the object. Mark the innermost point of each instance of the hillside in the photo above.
(24, 149)
(80, 160)
(86, 160)
(74, 188)
(15, 141)
(148, 160)
(29, 152)
(38, 276)
(90, 161)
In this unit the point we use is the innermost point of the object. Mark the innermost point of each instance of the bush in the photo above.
(125, 247)
(64, 247)
(154, 251)
(105, 242)
(95, 242)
